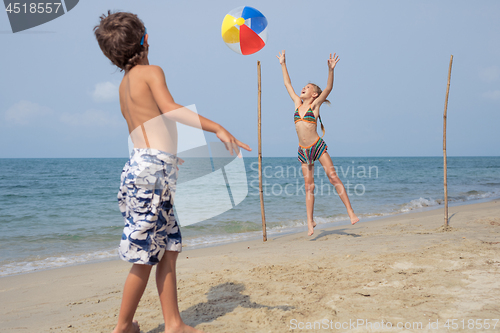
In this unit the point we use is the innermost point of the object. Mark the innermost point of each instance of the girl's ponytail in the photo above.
(318, 90)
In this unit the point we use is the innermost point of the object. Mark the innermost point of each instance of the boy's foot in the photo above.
(353, 217)
(310, 228)
(132, 328)
(182, 329)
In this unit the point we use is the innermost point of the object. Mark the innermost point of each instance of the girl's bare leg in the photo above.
(166, 282)
(308, 172)
(327, 164)
(135, 285)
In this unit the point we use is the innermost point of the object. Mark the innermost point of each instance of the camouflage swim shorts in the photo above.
(146, 198)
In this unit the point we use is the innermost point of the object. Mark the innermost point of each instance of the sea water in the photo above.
(59, 212)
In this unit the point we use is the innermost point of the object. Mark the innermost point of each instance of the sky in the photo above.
(59, 93)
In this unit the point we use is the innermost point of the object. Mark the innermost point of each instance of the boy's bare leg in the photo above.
(135, 285)
(166, 282)
(308, 172)
(327, 164)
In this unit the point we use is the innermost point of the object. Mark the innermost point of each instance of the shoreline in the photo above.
(286, 231)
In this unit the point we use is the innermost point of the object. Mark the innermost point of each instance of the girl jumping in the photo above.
(311, 145)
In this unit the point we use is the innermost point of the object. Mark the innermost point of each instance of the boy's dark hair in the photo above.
(119, 36)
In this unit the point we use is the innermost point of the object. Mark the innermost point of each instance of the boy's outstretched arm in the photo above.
(329, 85)
(166, 104)
(286, 78)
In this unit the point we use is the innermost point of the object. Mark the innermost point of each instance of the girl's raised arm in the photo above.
(286, 78)
(329, 85)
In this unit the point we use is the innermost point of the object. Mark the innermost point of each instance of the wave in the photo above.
(418, 203)
(55, 262)
(461, 197)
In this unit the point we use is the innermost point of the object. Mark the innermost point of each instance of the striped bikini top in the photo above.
(308, 117)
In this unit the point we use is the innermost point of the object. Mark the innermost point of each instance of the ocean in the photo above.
(60, 212)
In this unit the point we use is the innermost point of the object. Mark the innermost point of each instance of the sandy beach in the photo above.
(401, 270)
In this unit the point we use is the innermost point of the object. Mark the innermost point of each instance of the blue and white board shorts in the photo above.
(146, 200)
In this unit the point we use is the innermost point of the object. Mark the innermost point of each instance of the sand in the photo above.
(401, 270)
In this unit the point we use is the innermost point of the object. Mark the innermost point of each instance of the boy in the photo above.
(151, 235)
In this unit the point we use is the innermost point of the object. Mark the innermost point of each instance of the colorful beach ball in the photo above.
(244, 30)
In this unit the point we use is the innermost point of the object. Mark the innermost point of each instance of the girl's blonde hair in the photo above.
(318, 90)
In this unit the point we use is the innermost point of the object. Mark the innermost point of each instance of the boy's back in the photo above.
(147, 126)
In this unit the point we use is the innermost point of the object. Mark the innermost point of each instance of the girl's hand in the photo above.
(333, 61)
(230, 141)
(281, 57)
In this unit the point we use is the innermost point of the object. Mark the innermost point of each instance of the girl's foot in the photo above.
(131, 328)
(353, 217)
(310, 228)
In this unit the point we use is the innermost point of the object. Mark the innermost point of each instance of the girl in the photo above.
(311, 146)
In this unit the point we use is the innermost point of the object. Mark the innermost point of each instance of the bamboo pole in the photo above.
(445, 181)
(262, 212)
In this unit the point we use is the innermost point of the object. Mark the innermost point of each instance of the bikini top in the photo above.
(308, 118)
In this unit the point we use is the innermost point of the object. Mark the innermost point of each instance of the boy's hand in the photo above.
(281, 57)
(231, 142)
(180, 161)
(333, 61)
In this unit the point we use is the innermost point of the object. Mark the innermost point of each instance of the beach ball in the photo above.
(244, 30)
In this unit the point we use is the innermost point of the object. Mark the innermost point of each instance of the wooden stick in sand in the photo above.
(445, 181)
(264, 233)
